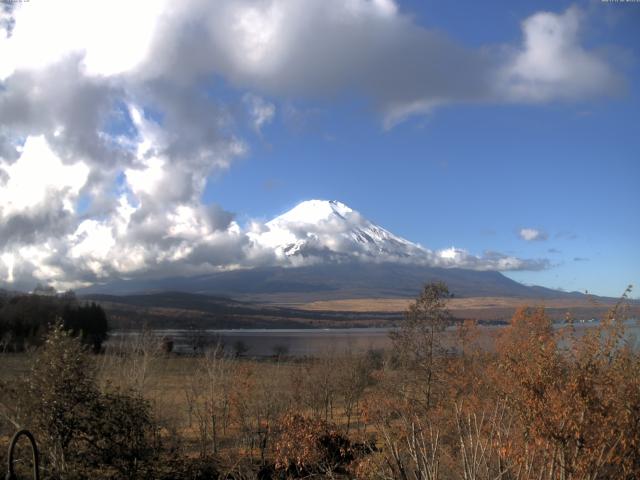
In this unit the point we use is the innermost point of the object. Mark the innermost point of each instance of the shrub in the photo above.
(576, 399)
(79, 428)
(306, 446)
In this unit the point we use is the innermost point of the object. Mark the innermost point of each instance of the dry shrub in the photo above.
(306, 446)
(81, 430)
(576, 400)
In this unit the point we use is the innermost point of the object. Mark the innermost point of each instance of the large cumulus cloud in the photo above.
(321, 48)
(110, 124)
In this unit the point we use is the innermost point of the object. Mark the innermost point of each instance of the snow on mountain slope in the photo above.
(318, 231)
(325, 230)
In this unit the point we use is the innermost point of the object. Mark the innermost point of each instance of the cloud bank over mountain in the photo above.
(110, 125)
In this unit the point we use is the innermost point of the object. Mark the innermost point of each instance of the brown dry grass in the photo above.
(455, 304)
(478, 308)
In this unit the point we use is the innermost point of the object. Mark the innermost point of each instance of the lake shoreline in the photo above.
(296, 342)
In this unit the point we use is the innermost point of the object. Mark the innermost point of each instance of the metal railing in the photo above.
(11, 474)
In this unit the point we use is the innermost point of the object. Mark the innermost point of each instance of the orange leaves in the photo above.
(570, 394)
(309, 445)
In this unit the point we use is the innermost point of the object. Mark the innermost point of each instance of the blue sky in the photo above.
(473, 175)
(448, 123)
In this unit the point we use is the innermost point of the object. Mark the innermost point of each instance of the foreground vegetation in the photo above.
(544, 404)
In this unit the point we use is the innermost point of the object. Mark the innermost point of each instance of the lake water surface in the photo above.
(311, 342)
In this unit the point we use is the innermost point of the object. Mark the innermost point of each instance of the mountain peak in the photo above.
(313, 211)
(320, 230)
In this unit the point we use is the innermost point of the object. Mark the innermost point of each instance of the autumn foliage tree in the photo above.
(418, 341)
(544, 401)
(575, 398)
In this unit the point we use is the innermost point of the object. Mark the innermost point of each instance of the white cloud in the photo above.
(37, 174)
(552, 64)
(6, 267)
(321, 48)
(460, 258)
(112, 37)
(260, 111)
(142, 186)
(532, 234)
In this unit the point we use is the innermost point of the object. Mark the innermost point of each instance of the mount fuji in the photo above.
(321, 230)
(325, 250)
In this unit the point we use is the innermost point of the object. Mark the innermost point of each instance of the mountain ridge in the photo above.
(336, 281)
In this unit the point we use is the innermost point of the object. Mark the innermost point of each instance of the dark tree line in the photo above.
(26, 318)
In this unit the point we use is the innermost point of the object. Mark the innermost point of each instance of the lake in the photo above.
(310, 342)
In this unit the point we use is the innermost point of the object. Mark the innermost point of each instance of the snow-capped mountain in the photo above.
(319, 230)
(323, 250)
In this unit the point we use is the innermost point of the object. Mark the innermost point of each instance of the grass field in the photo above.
(247, 398)
(479, 308)
(455, 304)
